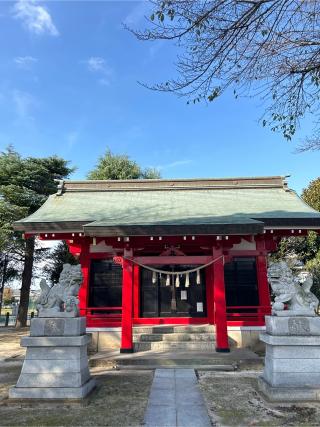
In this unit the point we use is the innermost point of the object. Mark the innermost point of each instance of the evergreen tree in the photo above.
(305, 249)
(25, 184)
(120, 166)
(311, 194)
(60, 255)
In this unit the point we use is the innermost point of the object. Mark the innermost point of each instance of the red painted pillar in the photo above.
(209, 293)
(220, 312)
(80, 249)
(136, 291)
(85, 268)
(127, 304)
(262, 278)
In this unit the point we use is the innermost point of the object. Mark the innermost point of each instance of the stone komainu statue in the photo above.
(61, 300)
(291, 290)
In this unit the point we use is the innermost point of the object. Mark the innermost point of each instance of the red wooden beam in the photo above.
(136, 291)
(163, 260)
(262, 278)
(85, 268)
(222, 344)
(61, 236)
(209, 294)
(127, 296)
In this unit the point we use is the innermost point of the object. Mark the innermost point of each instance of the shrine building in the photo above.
(173, 252)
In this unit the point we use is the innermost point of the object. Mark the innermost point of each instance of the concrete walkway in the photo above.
(175, 400)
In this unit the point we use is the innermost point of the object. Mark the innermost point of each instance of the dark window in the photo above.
(105, 284)
(241, 282)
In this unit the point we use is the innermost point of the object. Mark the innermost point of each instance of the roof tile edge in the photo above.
(175, 184)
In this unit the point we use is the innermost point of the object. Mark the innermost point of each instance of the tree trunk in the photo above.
(3, 280)
(26, 283)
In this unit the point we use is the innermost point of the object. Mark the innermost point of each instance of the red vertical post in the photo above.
(85, 268)
(262, 278)
(222, 344)
(209, 294)
(136, 291)
(80, 249)
(127, 304)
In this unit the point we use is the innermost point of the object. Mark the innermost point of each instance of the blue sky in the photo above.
(68, 86)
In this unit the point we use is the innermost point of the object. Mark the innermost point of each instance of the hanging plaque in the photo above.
(199, 307)
(184, 295)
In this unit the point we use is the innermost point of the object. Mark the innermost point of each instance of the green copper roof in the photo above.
(172, 203)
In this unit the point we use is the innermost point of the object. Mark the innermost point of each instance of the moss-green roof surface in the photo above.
(190, 202)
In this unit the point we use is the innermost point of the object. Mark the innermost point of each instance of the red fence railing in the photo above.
(102, 316)
(247, 313)
(103, 311)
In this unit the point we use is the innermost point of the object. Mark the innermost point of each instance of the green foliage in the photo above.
(25, 184)
(120, 166)
(305, 249)
(8, 214)
(313, 265)
(59, 256)
(311, 194)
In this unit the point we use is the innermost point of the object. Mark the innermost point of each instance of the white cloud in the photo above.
(174, 164)
(25, 62)
(34, 17)
(24, 104)
(98, 65)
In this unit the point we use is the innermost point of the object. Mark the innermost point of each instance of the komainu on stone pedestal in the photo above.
(292, 292)
(61, 300)
(292, 362)
(56, 362)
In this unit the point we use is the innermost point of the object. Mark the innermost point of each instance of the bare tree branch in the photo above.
(266, 48)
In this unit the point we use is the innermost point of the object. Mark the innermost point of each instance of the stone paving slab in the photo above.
(176, 400)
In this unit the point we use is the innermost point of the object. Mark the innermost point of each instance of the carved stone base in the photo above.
(56, 362)
(295, 313)
(53, 314)
(292, 361)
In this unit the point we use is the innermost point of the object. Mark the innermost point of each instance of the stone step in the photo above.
(191, 329)
(174, 345)
(176, 336)
(214, 363)
(223, 368)
(172, 361)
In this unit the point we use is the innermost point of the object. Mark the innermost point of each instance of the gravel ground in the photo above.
(232, 399)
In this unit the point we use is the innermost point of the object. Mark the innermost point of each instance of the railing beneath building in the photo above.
(236, 315)
(250, 314)
(96, 315)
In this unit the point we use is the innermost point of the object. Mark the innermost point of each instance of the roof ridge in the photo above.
(172, 184)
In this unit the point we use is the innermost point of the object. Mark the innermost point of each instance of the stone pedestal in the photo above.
(56, 362)
(292, 362)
